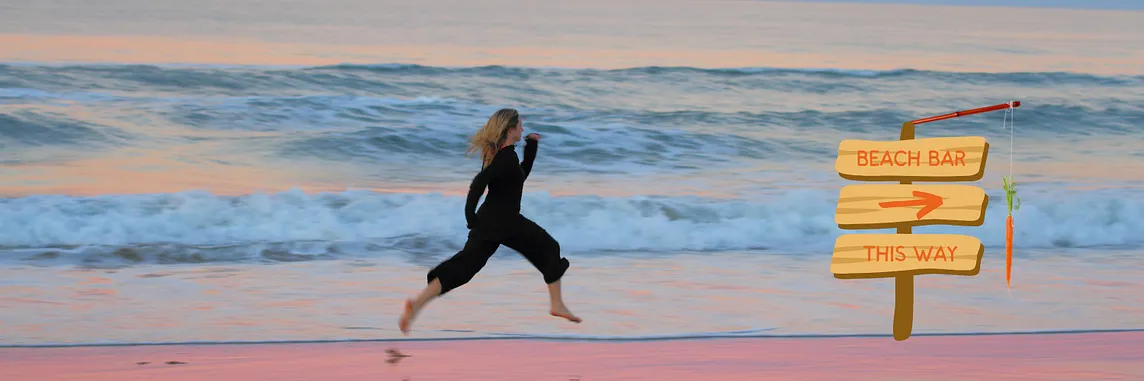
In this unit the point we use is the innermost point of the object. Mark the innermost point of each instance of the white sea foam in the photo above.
(338, 223)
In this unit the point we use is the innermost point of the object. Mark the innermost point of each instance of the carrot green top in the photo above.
(1011, 194)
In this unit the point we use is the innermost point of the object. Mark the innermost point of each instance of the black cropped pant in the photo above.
(523, 236)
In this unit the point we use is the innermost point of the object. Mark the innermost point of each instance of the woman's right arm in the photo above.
(476, 189)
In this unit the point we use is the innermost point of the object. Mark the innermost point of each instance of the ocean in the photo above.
(201, 172)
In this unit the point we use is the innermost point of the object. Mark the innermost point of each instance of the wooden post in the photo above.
(904, 284)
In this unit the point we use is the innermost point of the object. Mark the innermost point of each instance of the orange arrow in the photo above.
(929, 201)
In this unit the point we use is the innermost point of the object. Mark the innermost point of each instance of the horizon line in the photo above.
(860, 72)
(978, 4)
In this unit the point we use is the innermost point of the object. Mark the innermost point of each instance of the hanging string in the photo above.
(1007, 123)
(1011, 117)
(1011, 113)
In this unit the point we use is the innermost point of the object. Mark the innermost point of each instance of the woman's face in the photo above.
(515, 132)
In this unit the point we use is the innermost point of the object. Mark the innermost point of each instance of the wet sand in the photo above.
(1072, 356)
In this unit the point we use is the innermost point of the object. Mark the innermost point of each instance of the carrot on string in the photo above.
(1010, 196)
(1010, 186)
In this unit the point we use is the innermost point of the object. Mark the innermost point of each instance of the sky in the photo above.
(1077, 4)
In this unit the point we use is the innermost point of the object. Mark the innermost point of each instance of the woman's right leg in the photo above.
(543, 251)
(450, 274)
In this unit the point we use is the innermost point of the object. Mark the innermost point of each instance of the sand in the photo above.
(1074, 356)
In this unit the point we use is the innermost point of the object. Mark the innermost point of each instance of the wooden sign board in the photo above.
(932, 159)
(892, 255)
(880, 206)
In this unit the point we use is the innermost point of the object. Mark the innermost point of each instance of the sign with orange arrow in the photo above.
(879, 206)
(904, 255)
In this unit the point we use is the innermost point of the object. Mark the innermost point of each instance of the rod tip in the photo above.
(1014, 104)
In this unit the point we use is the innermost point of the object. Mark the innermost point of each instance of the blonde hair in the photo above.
(490, 137)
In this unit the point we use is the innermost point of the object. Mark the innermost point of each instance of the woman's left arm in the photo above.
(530, 143)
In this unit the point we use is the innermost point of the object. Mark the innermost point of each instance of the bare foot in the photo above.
(563, 312)
(407, 317)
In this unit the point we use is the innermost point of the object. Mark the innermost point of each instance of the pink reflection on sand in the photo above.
(995, 357)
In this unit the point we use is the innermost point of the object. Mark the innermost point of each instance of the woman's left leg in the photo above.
(540, 249)
(450, 274)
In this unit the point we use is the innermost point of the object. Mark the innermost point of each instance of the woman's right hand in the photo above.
(533, 136)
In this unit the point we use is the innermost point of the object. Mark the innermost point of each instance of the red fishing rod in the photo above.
(1013, 104)
(908, 127)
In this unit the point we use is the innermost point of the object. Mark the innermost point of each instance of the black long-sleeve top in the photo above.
(504, 177)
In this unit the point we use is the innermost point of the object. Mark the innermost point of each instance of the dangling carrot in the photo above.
(1010, 195)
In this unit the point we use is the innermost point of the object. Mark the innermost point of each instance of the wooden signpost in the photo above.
(902, 206)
